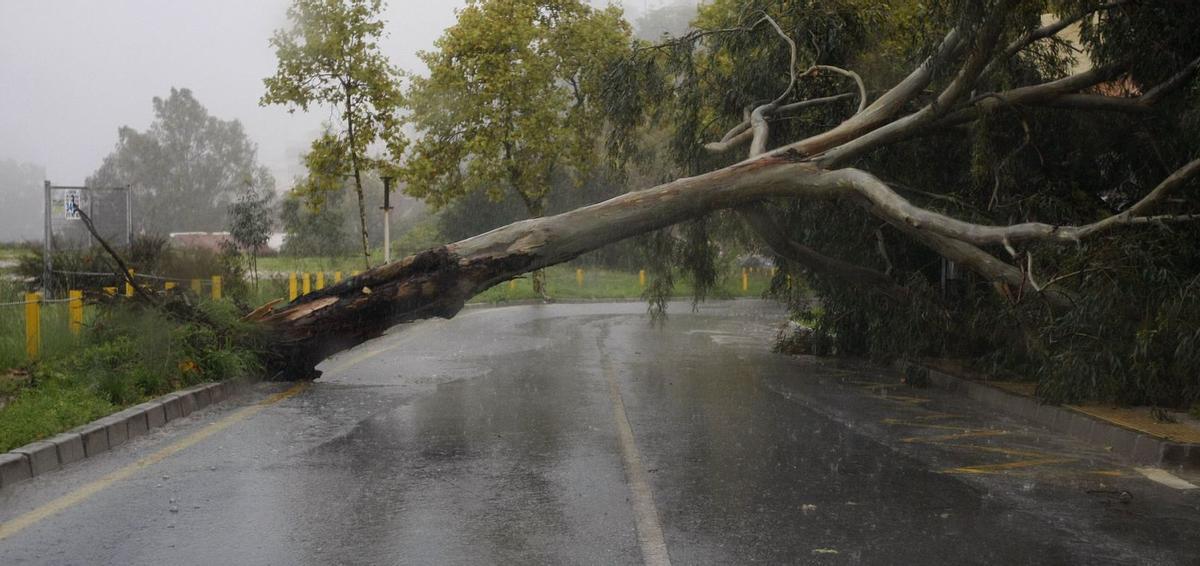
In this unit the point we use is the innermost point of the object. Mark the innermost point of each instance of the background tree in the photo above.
(21, 191)
(330, 55)
(314, 230)
(250, 223)
(185, 169)
(511, 101)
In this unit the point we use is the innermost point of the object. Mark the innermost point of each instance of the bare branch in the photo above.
(884, 108)
(741, 133)
(1141, 103)
(862, 87)
(926, 120)
(882, 201)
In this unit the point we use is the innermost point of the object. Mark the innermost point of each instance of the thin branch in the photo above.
(742, 133)
(124, 273)
(1043, 32)
(862, 87)
(1142, 103)
(881, 247)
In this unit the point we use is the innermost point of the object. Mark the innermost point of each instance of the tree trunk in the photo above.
(358, 190)
(437, 282)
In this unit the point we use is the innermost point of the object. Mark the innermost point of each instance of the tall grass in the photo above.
(125, 354)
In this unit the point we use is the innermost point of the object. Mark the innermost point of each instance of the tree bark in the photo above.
(358, 190)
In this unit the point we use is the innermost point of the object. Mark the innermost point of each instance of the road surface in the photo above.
(583, 434)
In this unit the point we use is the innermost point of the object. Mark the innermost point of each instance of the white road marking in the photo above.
(645, 515)
(1166, 478)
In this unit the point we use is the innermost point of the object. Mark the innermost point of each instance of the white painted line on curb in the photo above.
(645, 515)
(1166, 478)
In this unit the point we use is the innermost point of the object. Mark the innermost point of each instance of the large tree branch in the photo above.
(882, 201)
(742, 133)
(885, 108)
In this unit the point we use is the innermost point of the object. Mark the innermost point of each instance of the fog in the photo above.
(74, 71)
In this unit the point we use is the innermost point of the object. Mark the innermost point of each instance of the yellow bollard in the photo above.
(745, 281)
(305, 284)
(789, 281)
(168, 285)
(292, 291)
(33, 325)
(579, 277)
(75, 310)
(216, 287)
(128, 287)
(642, 278)
(197, 287)
(512, 284)
(320, 280)
(337, 276)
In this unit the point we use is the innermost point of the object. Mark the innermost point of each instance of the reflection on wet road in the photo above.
(582, 434)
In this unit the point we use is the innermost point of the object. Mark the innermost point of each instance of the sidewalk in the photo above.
(1130, 433)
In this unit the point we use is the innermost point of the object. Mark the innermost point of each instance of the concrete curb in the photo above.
(104, 434)
(1132, 445)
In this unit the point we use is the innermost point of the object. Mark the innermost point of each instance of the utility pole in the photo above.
(387, 219)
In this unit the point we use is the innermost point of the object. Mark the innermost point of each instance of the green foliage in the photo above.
(1132, 335)
(185, 169)
(511, 100)
(330, 55)
(313, 230)
(250, 223)
(126, 354)
(148, 255)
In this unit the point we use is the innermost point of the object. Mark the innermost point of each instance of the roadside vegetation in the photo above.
(125, 353)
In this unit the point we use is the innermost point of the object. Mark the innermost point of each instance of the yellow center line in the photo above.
(84, 493)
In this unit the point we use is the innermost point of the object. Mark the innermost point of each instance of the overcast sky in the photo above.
(73, 71)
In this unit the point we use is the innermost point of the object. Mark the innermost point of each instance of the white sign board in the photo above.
(72, 201)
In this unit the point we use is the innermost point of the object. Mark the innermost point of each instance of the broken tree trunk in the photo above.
(437, 282)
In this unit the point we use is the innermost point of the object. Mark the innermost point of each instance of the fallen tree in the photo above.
(437, 282)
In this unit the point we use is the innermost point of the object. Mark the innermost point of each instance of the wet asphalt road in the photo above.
(581, 434)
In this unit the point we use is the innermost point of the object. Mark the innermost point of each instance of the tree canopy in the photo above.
(511, 100)
(185, 169)
(1014, 122)
(330, 55)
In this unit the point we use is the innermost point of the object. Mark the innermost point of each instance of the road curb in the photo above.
(1135, 446)
(106, 433)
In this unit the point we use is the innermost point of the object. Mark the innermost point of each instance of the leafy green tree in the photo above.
(185, 169)
(313, 230)
(1062, 312)
(250, 223)
(511, 100)
(330, 55)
